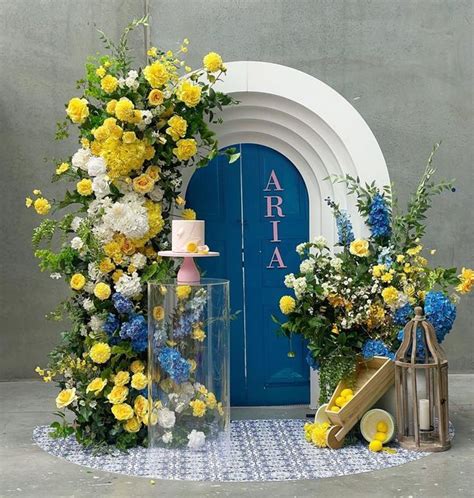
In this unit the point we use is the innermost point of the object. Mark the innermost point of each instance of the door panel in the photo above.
(256, 220)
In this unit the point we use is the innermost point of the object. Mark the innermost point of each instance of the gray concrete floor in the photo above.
(25, 470)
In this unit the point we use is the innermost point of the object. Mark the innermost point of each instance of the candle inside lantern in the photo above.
(424, 409)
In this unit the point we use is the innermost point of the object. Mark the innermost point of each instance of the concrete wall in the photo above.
(405, 65)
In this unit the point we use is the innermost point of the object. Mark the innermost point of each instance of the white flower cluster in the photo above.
(130, 81)
(196, 439)
(300, 248)
(129, 285)
(307, 266)
(299, 287)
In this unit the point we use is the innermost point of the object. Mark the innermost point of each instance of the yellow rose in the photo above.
(124, 110)
(62, 168)
(110, 108)
(129, 137)
(141, 406)
(137, 366)
(109, 83)
(466, 281)
(177, 127)
(118, 394)
(100, 71)
(158, 313)
(143, 184)
(96, 385)
(186, 148)
(77, 281)
(188, 214)
(106, 265)
(287, 305)
(156, 74)
(100, 352)
(65, 397)
(155, 97)
(77, 110)
(84, 187)
(102, 291)
(189, 93)
(359, 247)
(199, 407)
(400, 258)
(153, 172)
(117, 275)
(122, 411)
(390, 295)
(139, 381)
(211, 401)
(198, 334)
(378, 270)
(212, 62)
(121, 378)
(42, 206)
(132, 425)
(183, 291)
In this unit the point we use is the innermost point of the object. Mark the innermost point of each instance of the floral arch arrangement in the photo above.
(138, 128)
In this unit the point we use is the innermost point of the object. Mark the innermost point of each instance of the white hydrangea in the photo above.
(88, 304)
(138, 260)
(96, 323)
(80, 159)
(98, 206)
(300, 248)
(129, 285)
(96, 166)
(166, 418)
(167, 437)
(101, 186)
(76, 222)
(77, 243)
(196, 439)
(307, 266)
(336, 263)
(290, 280)
(320, 242)
(128, 216)
(300, 286)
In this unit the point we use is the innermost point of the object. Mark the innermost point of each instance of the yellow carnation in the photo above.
(188, 214)
(189, 93)
(155, 97)
(100, 71)
(132, 425)
(141, 406)
(106, 265)
(139, 381)
(466, 279)
(137, 366)
(84, 187)
(122, 378)
(77, 281)
(156, 74)
(100, 352)
(42, 206)
(390, 295)
(287, 305)
(122, 411)
(143, 184)
(158, 313)
(199, 407)
(62, 168)
(185, 149)
(152, 52)
(124, 110)
(212, 62)
(96, 385)
(118, 394)
(102, 291)
(77, 110)
(183, 291)
(109, 83)
(359, 247)
(65, 397)
(318, 434)
(177, 127)
(387, 277)
(110, 108)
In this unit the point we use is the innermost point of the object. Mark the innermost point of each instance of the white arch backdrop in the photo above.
(312, 125)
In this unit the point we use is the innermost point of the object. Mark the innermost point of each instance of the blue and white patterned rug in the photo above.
(261, 450)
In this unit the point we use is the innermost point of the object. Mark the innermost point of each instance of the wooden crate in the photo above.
(373, 379)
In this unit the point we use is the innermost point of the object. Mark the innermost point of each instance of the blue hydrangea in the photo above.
(174, 364)
(379, 217)
(122, 304)
(311, 361)
(193, 313)
(373, 347)
(420, 350)
(136, 329)
(111, 324)
(344, 229)
(403, 315)
(440, 312)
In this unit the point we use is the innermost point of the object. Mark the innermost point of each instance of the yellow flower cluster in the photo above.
(316, 433)
(199, 407)
(466, 281)
(213, 62)
(177, 127)
(375, 316)
(359, 247)
(183, 291)
(155, 222)
(77, 110)
(185, 149)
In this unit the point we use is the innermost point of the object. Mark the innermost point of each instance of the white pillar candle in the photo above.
(424, 414)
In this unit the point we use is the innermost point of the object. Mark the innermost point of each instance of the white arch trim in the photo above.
(312, 125)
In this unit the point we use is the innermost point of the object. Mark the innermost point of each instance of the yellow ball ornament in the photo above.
(382, 427)
(375, 446)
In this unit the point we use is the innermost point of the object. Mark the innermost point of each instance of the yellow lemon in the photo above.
(349, 397)
(382, 427)
(347, 392)
(334, 409)
(340, 401)
(375, 445)
(380, 436)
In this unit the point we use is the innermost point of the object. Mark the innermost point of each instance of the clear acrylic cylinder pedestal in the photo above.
(188, 367)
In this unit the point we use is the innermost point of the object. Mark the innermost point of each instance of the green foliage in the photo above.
(65, 261)
(44, 232)
(332, 370)
(61, 429)
(62, 130)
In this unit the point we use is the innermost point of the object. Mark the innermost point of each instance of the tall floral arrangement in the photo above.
(354, 300)
(138, 128)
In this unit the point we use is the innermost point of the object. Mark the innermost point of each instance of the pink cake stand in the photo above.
(188, 273)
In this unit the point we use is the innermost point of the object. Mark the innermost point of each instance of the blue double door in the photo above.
(256, 212)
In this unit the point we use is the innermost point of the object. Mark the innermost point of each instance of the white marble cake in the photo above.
(187, 235)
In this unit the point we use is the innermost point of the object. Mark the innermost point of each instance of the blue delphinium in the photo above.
(385, 257)
(122, 304)
(174, 364)
(379, 217)
(373, 347)
(136, 329)
(440, 312)
(344, 229)
(403, 315)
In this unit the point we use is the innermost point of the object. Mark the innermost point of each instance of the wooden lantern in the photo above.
(421, 383)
